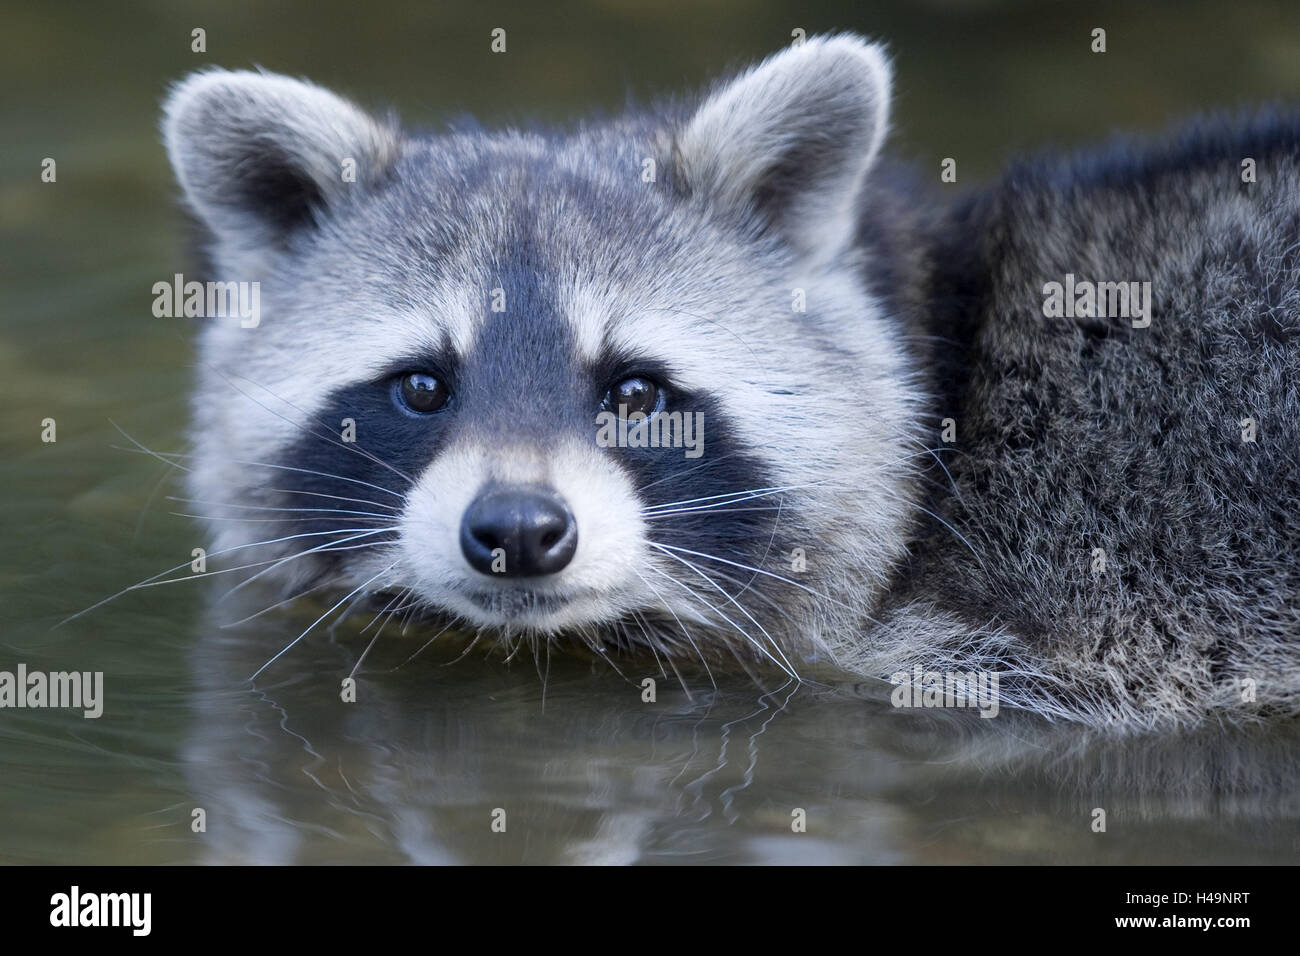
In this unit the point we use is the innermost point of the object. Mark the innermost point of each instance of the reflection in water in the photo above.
(585, 771)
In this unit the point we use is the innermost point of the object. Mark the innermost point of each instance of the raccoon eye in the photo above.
(637, 394)
(420, 392)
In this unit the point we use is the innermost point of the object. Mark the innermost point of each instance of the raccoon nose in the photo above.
(518, 532)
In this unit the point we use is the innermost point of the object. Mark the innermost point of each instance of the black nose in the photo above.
(516, 532)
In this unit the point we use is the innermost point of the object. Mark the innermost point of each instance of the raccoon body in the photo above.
(1122, 528)
(450, 321)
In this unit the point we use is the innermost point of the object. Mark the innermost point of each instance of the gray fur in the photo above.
(1077, 434)
(1070, 436)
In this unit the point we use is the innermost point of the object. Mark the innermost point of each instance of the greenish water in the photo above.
(582, 767)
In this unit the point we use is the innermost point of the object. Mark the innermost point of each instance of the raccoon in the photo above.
(471, 342)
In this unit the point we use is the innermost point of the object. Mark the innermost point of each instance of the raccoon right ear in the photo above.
(259, 155)
(787, 144)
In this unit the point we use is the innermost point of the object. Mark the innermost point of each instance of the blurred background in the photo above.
(978, 80)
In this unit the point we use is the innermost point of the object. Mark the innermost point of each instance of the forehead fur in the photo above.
(561, 225)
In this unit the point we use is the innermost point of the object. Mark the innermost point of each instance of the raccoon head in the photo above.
(624, 382)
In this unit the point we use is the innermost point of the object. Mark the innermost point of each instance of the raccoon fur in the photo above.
(1121, 535)
(902, 461)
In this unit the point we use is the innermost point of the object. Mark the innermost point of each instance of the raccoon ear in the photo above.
(259, 155)
(788, 143)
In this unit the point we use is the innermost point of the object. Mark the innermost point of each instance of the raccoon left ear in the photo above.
(260, 156)
(788, 143)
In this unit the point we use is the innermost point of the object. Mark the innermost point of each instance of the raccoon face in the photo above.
(623, 383)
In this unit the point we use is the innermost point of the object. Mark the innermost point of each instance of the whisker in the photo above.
(267, 610)
(641, 623)
(601, 651)
(144, 510)
(141, 448)
(746, 567)
(396, 598)
(410, 616)
(186, 564)
(360, 660)
(328, 546)
(515, 650)
(721, 590)
(286, 648)
(746, 586)
(720, 509)
(656, 593)
(243, 567)
(327, 511)
(546, 678)
(649, 642)
(740, 630)
(321, 494)
(746, 494)
(427, 643)
(742, 495)
(477, 635)
(165, 455)
(686, 471)
(282, 521)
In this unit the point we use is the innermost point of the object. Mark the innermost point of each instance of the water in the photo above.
(581, 766)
